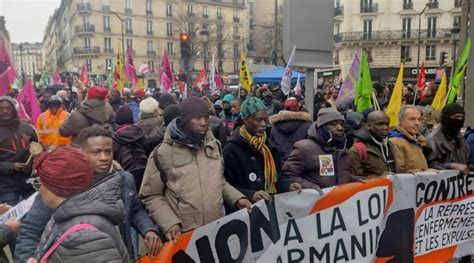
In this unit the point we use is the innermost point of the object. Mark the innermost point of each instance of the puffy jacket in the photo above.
(148, 124)
(36, 219)
(408, 150)
(85, 116)
(288, 128)
(47, 127)
(469, 136)
(6, 236)
(443, 151)
(101, 207)
(303, 164)
(194, 189)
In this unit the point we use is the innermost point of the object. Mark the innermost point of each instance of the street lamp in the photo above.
(455, 37)
(21, 62)
(123, 38)
(205, 38)
(419, 40)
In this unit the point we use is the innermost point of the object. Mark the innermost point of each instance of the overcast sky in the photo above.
(26, 19)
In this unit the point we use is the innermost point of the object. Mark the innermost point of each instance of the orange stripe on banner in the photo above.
(169, 249)
(383, 260)
(423, 207)
(438, 256)
(341, 193)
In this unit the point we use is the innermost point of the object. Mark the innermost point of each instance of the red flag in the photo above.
(84, 77)
(422, 82)
(57, 79)
(201, 80)
(166, 73)
(130, 73)
(218, 80)
(29, 106)
(7, 70)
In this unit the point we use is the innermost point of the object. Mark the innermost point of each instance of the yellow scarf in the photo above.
(258, 143)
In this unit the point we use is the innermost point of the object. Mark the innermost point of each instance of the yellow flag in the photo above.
(395, 104)
(245, 78)
(120, 70)
(440, 99)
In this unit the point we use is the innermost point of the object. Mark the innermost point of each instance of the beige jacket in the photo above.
(195, 189)
(408, 151)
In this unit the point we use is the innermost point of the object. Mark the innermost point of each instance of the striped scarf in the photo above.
(258, 143)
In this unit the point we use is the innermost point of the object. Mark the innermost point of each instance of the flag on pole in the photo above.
(440, 98)
(7, 70)
(166, 73)
(84, 75)
(119, 71)
(130, 73)
(201, 80)
(212, 79)
(459, 72)
(346, 93)
(395, 104)
(286, 79)
(245, 77)
(44, 80)
(363, 92)
(422, 82)
(110, 80)
(298, 91)
(98, 79)
(57, 79)
(144, 69)
(29, 106)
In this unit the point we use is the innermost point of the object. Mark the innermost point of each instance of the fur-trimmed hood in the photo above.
(289, 116)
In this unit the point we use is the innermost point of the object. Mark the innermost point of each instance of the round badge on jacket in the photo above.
(253, 177)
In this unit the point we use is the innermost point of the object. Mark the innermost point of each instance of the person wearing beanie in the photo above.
(251, 160)
(90, 215)
(165, 100)
(150, 115)
(15, 138)
(184, 187)
(273, 106)
(49, 122)
(408, 143)
(448, 148)
(321, 160)
(134, 103)
(227, 112)
(218, 107)
(93, 110)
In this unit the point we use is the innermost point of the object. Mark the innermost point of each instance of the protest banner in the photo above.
(425, 217)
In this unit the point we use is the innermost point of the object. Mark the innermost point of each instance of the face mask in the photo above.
(451, 127)
(335, 141)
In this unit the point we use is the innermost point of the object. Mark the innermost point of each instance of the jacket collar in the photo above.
(289, 116)
(399, 132)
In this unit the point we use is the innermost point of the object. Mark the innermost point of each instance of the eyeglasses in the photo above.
(35, 182)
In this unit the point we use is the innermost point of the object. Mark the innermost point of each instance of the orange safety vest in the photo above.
(47, 127)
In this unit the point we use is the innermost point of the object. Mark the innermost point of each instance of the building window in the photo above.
(151, 65)
(105, 2)
(89, 65)
(236, 31)
(236, 14)
(236, 50)
(107, 44)
(129, 44)
(108, 64)
(169, 29)
(149, 27)
(457, 21)
(431, 52)
(407, 4)
(251, 7)
(236, 66)
(128, 25)
(85, 21)
(169, 10)
(106, 23)
(190, 9)
(431, 26)
(457, 3)
(406, 28)
(128, 4)
(367, 29)
(205, 26)
(169, 47)
(87, 42)
(149, 46)
(205, 11)
(148, 6)
(405, 54)
(219, 12)
(219, 29)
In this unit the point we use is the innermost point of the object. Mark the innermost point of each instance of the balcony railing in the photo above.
(236, 37)
(433, 5)
(129, 31)
(236, 19)
(149, 12)
(108, 50)
(149, 33)
(407, 6)
(392, 35)
(107, 29)
(339, 10)
(191, 14)
(86, 50)
(85, 29)
(106, 8)
(369, 8)
(151, 53)
(83, 7)
(128, 11)
(206, 16)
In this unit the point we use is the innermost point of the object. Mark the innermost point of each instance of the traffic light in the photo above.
(443, 58)
(185, 46)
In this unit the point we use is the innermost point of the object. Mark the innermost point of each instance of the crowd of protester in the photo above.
(158, 165)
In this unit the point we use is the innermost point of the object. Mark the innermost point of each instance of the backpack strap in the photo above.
(163, 177)
(362, 149)
(72, 229)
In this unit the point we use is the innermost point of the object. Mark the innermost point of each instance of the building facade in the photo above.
(91, 32)
(28, 59)
(388, 32)
(4, 35)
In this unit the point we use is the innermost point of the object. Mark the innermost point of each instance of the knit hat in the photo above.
(192, 107)
(228, 98)
(65, 171)
(451, 109)
(251, 106)
(327, 115)
(140, 93)
(171, 112)
(149, 105)
(218, 103)
(97, 93)
(165, 100)
(124, 115)
(292, 104)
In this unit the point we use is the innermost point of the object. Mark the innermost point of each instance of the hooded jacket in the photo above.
(304, 164)
(408, 150)
(194, 189)
(377, 163)
(48, 125)
(101, 207)
(149, 123)
(15, 139)
(288, 128)
(85, 116)
(443, 151)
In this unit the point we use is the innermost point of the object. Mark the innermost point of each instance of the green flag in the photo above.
(44, 80)
(363, 92)
(459, 72)
(110, 80)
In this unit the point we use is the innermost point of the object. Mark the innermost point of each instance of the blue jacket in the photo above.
(34, 222)
(469, 135)
(135, 107)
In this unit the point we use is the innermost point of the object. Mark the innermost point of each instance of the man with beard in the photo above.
(15, 139)
(49, 122)
(321, 160)
(185, 187)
